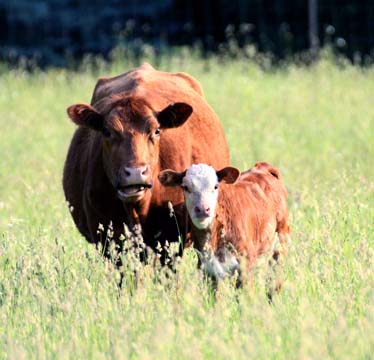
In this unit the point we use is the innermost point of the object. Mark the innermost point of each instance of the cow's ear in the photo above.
(174, 115)
(86, 115)
(228, 174)
(171, 177)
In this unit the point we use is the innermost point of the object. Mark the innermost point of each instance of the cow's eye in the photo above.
(185, 188)
(216, 187)
(154, 135)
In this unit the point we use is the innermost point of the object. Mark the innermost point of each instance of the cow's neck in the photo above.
(100, 190)
(137, 212)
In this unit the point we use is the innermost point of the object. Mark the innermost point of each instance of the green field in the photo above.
(59, 298)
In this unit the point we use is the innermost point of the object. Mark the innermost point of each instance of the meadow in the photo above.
(59, 298)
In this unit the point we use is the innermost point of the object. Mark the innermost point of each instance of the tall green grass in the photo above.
(59, 298)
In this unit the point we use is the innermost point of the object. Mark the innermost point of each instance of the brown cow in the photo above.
(138, 123)
(233, 214)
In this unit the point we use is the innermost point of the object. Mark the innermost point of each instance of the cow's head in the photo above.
(200, 187)
(130, 131)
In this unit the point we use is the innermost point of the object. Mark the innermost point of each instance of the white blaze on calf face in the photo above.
(200, 186)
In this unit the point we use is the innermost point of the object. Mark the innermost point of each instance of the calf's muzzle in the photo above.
(202, 211)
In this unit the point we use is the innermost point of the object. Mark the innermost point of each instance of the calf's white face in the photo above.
(200, 187)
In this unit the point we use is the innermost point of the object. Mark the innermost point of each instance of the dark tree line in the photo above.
(282, 26)
(50, 29)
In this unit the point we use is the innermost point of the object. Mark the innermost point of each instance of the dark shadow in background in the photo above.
(53, 31)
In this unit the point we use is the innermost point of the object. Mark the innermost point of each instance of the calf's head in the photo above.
(130, 131)
(200, 187)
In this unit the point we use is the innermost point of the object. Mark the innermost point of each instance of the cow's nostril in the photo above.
(197, 210)
(135, 175)
(207, 210)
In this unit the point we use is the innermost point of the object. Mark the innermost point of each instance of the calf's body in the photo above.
(234, 215)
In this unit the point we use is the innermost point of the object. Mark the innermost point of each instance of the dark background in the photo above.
(50, 31)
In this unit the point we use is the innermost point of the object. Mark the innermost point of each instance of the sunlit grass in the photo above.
(59, 298)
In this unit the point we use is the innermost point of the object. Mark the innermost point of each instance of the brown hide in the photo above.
(127, 101)
(250, 211)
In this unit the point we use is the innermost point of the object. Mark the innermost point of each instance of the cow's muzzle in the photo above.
(133, 182)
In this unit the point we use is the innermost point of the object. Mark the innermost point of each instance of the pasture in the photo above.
(59, 298)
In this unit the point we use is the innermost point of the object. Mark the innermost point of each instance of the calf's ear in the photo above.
(171, 177)
(268, 167)
(228, 174)
(86, 115)
(174, 115)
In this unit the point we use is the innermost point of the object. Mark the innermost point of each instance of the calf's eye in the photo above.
(157, 132)
(185, 188)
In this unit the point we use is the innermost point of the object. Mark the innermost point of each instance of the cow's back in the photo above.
(146, 77)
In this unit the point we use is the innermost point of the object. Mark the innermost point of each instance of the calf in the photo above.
(234, 215)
